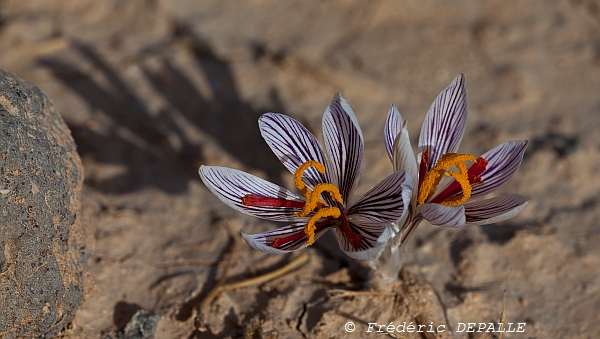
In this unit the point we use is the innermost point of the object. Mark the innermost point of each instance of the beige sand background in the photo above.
(152, 89)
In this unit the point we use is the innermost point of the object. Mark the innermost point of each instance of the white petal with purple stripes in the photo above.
(386, 202)
(503, 162)
(344, 145)
(443, 216)
(293, 144)
(263, 241)
(231, 186)
(494, 210)
(404, 158)
(393, 126)
(372, 244)
(445, 121)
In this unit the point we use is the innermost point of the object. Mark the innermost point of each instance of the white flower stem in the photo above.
(387, 267)
(409, 227)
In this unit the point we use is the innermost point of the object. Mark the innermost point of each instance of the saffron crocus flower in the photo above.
(326, 179)
(447, 186)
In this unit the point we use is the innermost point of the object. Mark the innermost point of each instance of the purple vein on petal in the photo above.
(503, 162)
(445, 121)
(495, 209)
(293, 144)
(231, 186)
(393, 126)
(443, 216)
(344, 145)
(387, 201)
(371, 234)
(263, 241)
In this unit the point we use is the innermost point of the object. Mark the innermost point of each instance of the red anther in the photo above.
(277, 242)
(423, 167)
(475, 180)
(454, 188)
(477, 168)
(257, 200)
(280, 241)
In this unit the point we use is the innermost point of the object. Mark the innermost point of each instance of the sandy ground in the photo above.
(153, 89)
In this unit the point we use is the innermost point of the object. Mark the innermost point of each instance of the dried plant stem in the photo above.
(503, 314)
(180, 262)
(301, 259)
(338, 293)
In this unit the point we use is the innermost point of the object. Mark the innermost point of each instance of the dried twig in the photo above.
(301, 259)
(180, 262)
(503, 314)
(339, 293)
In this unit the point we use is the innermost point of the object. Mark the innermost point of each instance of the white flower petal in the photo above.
(443, 216)
(373, 242)
(344, 145)
(293, 144)
(494, 210)
(404, 158)
(262, 241)
(445, 122)
(393, 126)
(503, 162)
(386, 202)
(231, 186)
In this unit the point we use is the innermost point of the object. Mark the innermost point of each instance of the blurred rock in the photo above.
(42, 247)
(141, 326)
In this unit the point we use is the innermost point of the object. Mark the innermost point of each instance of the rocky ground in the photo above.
(152, 89)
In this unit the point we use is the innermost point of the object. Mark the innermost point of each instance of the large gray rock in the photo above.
(42, 248)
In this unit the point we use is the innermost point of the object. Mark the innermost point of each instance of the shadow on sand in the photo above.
(153, 147)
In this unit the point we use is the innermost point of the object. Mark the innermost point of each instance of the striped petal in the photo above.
(295, 232)
(397, 144)
(372, 244)
(445, 122)
(393, 126)
(231, 186)
(443, 216)
(293, 144)
(344, 145)
(386, 202)
(404, 158)
(494, 210)
(503, 162)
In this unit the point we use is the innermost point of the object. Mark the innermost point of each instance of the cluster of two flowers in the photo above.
(438, 186)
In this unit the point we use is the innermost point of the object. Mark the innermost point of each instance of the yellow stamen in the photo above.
(300, 171)
(463, 179)
(314, 197)
(310, 226)
(314, 201)
(433, 177)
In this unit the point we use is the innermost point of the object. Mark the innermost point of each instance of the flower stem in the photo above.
(408, 230)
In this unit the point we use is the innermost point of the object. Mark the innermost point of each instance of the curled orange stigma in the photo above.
(300, 171)
(432, 178)
(314, 201)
